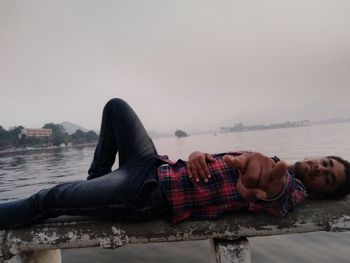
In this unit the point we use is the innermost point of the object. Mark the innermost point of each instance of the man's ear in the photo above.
(316, 195)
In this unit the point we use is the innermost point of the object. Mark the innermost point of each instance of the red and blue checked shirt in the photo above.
(191, 200)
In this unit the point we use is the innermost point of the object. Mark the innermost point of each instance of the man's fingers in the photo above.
(279, 171)
(204, 170)
(189, 172)
(201, 171)
(194, 172)
(238, 162)
(209, 157)
(252, 174)
(259, 194)
(197, 166)
(198, 169)
(250, 194)
(249, 169)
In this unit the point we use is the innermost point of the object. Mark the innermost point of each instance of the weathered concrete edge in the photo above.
(310, 217)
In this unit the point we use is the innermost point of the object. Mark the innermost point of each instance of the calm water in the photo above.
(22, 174)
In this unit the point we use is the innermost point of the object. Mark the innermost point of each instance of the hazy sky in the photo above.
(180, 64)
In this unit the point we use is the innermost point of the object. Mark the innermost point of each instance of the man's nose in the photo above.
(321, 169)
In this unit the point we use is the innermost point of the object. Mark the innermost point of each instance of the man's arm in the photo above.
(267, 185)
(263, 182)
(260, 178)
(294, 194)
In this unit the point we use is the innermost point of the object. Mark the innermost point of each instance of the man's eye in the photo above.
(324, 163)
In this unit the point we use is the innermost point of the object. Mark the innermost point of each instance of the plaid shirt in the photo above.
(193, 200)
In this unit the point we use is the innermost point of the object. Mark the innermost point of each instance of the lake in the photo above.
(24, 173)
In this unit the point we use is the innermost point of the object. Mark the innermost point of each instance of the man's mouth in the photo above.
(312, 170)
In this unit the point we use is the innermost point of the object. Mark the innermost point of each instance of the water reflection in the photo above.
(23, 173)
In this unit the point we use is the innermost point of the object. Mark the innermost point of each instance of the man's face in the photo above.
(320, 175)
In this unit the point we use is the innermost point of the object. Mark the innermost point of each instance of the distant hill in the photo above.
(72, 127)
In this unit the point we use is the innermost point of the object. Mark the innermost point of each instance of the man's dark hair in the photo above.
(343, 189)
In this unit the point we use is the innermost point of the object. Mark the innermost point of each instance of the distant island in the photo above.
(180, 133)
(240, 127)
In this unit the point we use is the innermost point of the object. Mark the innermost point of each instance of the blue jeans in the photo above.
(130, 193)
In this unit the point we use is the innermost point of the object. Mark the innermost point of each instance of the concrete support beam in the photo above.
(38, 256)
(230, 251)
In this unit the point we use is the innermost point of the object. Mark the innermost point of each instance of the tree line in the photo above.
(15, 138)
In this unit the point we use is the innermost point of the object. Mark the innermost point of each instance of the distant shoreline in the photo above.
(17, 150)
(238, 128)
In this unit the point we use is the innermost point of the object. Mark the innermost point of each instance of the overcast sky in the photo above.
(180, 64)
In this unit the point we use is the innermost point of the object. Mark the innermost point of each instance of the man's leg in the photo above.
(118, 195)
(121, 132)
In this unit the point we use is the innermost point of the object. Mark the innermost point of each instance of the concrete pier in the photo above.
(228, 234)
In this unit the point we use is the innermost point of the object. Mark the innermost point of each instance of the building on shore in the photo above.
(30, 132)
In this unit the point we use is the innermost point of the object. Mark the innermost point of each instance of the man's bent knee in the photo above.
(116, 104)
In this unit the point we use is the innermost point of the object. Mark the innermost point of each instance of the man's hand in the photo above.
(259, 176)
(197, 166)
